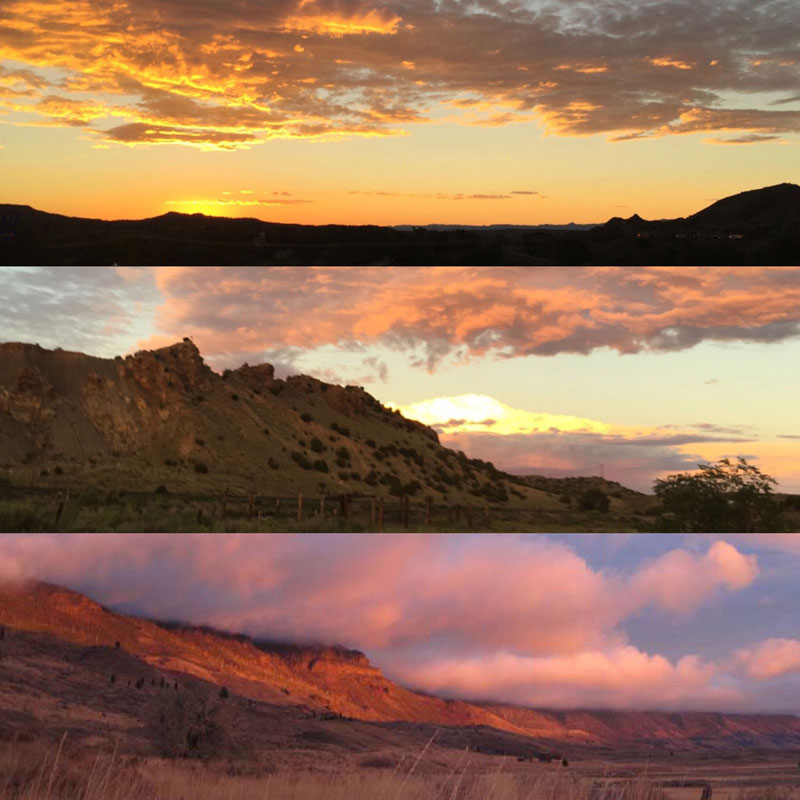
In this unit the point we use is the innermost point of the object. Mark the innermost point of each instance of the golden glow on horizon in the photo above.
(470, 413)
(225, 206)
(481, 414)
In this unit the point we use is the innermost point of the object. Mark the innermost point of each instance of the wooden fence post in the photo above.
(60, 507)
(380, 514)
(277, 506)
(372, 510)
(250, 508)
(299, 506)
(224, 502)
(405, 511)
(322, 505)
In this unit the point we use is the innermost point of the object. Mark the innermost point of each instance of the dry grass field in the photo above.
(60, 771)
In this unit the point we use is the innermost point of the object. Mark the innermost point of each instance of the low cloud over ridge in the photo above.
(510, 618)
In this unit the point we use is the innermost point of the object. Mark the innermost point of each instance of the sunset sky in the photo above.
(420, 111)
(593, 620)
(646, 371)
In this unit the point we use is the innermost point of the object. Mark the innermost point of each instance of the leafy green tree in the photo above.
(593, 500)
(725, 497)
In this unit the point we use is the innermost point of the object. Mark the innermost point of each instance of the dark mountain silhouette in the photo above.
(774, 206)
(634, 222)
(754, 227)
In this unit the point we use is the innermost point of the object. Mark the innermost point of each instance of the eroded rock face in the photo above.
(111, 410)
(261, 376)
(27, 400)
(177, 367)
(317, 657)
(304, 384)
(141, 415)
(350, 400)
(144, 393)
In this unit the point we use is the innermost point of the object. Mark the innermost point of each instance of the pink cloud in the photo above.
(530, 594)
(680, 581)
(509, 311)
(769, 659)
(618, 677)
(514, 618)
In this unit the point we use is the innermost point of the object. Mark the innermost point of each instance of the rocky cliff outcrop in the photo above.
(164, 417)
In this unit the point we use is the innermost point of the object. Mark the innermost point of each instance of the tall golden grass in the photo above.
(37, 772)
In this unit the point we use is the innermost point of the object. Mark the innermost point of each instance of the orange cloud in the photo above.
(372, 21)
(352, 70)
(670, 62)
(586, 69)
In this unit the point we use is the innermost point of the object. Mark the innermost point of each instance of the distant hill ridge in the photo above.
(766, 219)
(779, 203)
(773, 207)
(342, 681)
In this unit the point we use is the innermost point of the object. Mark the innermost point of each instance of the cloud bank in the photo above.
(430, 313)
(511, 618)
(474, 311)
(234, 75)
